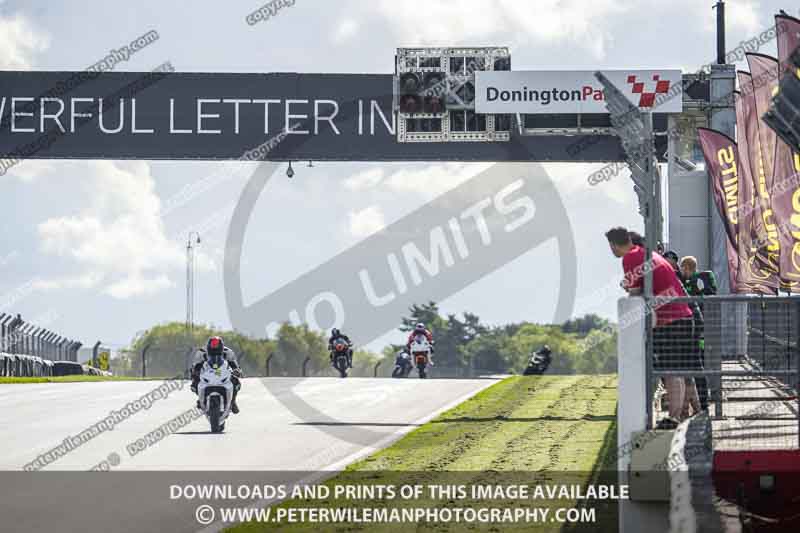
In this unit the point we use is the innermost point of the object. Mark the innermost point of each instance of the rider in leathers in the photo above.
(420, 329)
(215, 346)
(336, 334)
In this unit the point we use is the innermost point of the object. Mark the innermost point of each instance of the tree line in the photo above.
(464, 346)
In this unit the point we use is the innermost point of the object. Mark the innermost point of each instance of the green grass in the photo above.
(70, 379)
(527, 430)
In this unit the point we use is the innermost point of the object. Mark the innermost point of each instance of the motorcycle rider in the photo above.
(215, 346)
(545, 352)
(403, 359)
(420, 329)
(336, 334)
(539, 361)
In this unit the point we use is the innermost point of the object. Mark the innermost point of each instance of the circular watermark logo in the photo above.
(430, 254)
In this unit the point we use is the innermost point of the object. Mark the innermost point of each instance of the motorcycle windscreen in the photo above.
(215, 360)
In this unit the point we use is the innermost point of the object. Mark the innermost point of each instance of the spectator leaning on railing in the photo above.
(673, 340)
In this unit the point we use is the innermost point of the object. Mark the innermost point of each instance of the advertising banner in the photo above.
(768, 245)
(754, 270)
(722, 161)
(556, 91)
(236, 116)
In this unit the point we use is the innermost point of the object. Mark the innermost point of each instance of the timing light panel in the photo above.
(434, 95)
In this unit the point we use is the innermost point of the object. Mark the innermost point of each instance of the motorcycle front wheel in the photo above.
(214, 415)
(341, 366)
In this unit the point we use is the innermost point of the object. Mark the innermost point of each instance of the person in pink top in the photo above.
(673, 335)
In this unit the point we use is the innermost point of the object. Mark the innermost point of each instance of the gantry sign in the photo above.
(338, 117)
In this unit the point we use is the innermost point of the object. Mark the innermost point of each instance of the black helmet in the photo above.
(419, 327)
(670, 254)
(215, 346)
(335, 332)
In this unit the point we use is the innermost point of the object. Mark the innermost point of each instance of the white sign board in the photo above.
(559, 91)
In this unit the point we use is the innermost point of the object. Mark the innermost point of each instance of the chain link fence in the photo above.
(748, 388)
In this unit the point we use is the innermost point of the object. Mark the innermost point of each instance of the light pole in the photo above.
(193, 239)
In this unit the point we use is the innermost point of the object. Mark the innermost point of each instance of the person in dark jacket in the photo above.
(698, 284)
(672, 257)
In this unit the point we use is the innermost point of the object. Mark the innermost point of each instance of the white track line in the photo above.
(338, 466)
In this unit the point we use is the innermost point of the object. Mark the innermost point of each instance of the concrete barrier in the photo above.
(21, 365)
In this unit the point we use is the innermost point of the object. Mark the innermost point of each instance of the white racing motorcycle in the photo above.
(215, 391)
(421, 354)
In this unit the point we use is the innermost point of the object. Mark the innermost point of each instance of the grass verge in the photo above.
(556, 430)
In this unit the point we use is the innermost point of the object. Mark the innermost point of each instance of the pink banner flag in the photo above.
(724, 167)
(767, 245)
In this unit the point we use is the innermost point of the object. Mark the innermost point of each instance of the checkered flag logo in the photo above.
(648, 98)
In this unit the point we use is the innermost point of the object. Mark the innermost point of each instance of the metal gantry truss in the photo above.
(635, 130)
(452, 73)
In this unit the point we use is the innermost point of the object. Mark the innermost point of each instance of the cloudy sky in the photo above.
(87, 248)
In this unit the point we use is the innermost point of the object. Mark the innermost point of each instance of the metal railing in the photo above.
(20, 337)
(28, 350)
(736, 357)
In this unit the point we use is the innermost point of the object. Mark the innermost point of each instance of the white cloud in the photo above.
(19, 42)
(345, 30)
(119, 237)
(573, 178)
(138, 286)
(506, 22)
(434, 179)
(86, 281)
(366, 222)
(743, 15)
(428, 179)
(30, 169)
(367, 179)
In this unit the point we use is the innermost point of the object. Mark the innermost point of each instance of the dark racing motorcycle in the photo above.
(539, 362)
(341, 356)
(402, 365)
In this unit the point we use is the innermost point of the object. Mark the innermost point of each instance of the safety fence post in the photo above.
(267, 364)
(144, 360)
